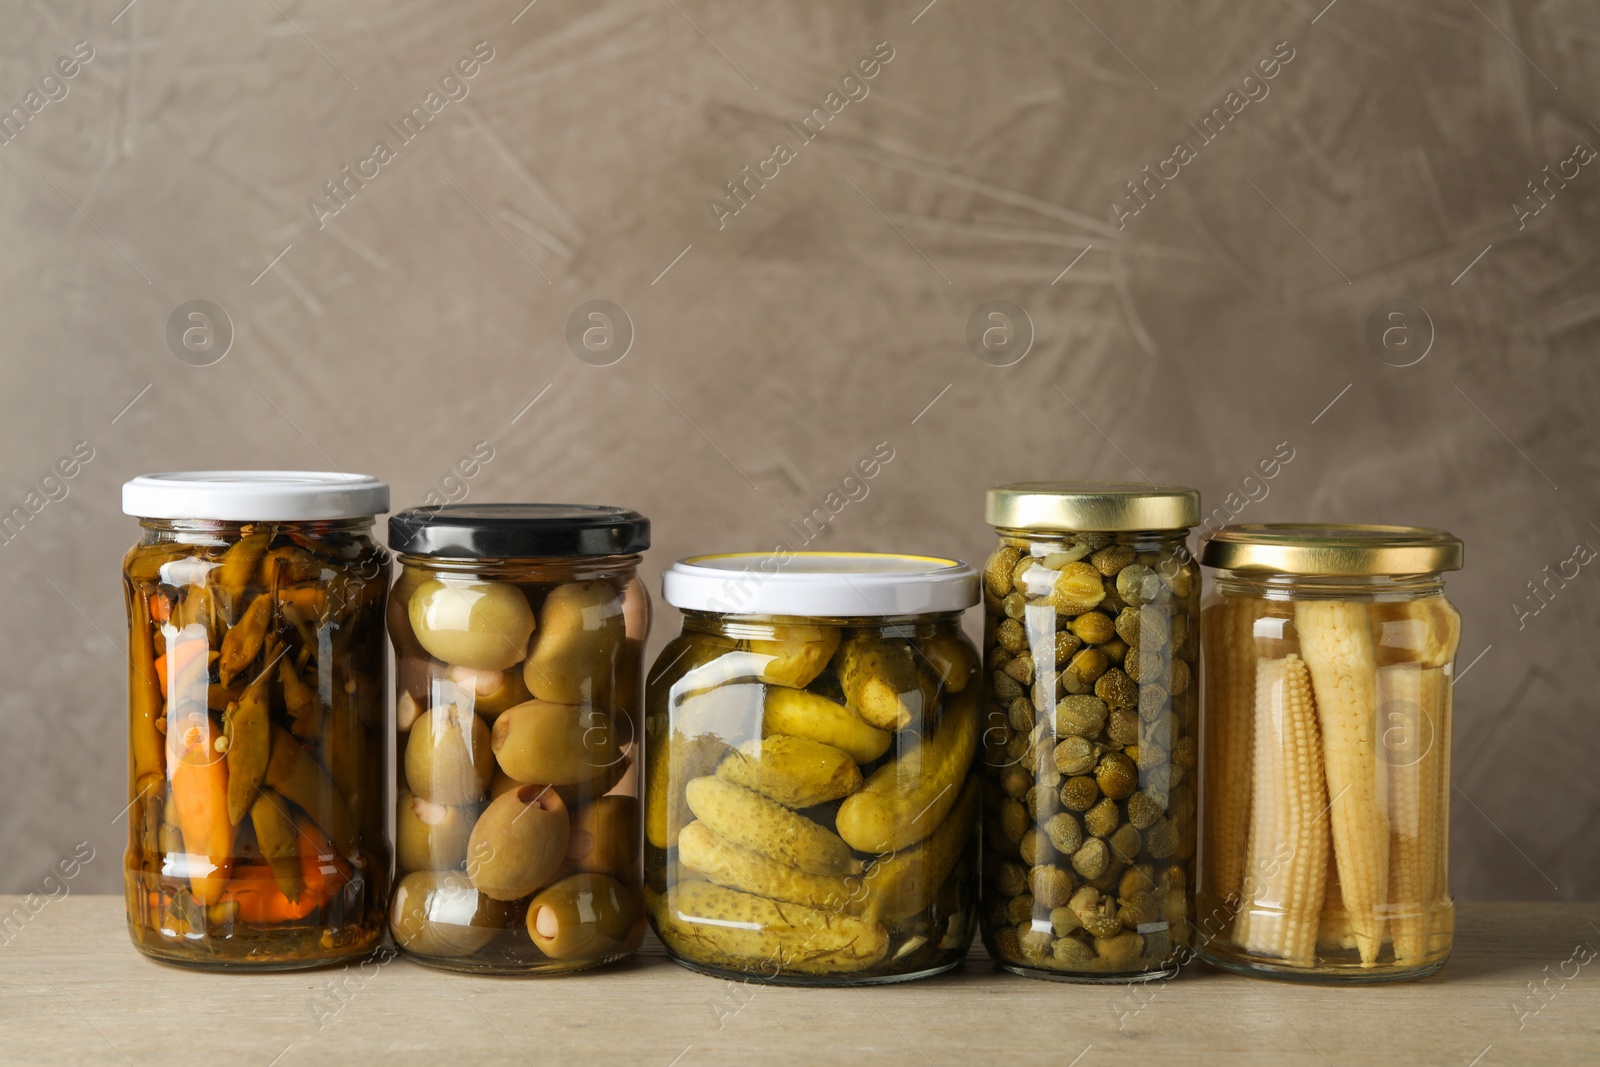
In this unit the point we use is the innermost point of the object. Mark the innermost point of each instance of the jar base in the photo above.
(258, 961)
(1336, 975)
(505, 969)
(1084, 978)
(812, 980)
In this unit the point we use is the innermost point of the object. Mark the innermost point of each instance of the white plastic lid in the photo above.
(826, 584)
(254, 496)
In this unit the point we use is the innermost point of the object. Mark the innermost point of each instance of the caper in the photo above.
(1101, 820)
(1180, 676)
(1079, 793)
(1075, 755)
(1092, 859)
(1016, 782)
(1093, 628)
(1006, 944)
(1161, 840)
(1006, 688)
(1035, 847)
(1111, 559)
(1012, 879)
(1137, 879)
(1117, 775)
(585, 917)
(1072, 953)
(1153, 701)
(1042, 801)
(1051, 886)
(1143, 810)
(1082, 716)
(1012, 636)
(1014, 821)
(1097, 917)
(1067, 644)
(1063, 921)
(1015, 605)
(1139, 908)
(1021, 668)
(1137, 584)
(1117, 689)
(1077, 589)
(1124, 843)
(1019, 574)
(1066, 836)
(1144, 665)
(1020, 910)
(997, 571)
(1128, 626)
(1119, 950)
(1085, 668)
(1123, 729)
(1020, 714)
(1116, 651)
(1035, 943)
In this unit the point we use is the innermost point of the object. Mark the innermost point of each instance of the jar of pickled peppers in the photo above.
(1090, 747)
(811, 796)
(1329, 662)
(519, 635)
(257, 797)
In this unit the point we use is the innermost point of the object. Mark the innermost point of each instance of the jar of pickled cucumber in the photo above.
(1090, 639)
(811, 796)
(257, 799)
(1329, 655)
(519, 634)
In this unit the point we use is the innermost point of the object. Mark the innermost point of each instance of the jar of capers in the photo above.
(519, 636)
(1091, 613)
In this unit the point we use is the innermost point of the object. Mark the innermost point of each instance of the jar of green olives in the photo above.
(811, 796)
(257, 798)
(1325, 822)
(519, 633)
(1091, 643)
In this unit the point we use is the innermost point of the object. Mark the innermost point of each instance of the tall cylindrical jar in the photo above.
(811, 796)
(1329, 661)
(257, 801)
(519, 635)
(1091, 644)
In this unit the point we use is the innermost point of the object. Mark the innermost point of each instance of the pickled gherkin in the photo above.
(812, 799)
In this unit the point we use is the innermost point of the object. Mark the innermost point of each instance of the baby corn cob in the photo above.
(1290, 808)
(1230, 674)
(1333, 932)
(1408, 701)
(1336, 641)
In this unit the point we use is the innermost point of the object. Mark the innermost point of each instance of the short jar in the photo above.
(257, 801)
(1091, 648)
(811, 797)
(1329, 658)
(518, 632)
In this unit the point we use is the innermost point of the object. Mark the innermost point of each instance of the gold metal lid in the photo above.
(1311, 549)
(1092, 506)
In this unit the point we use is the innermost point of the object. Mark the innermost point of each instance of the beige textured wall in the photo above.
(1185, 344)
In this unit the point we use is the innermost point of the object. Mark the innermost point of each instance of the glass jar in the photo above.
(257, 813)
(1329, 654)
(519, 634)
(1091, 642)
(811, 802)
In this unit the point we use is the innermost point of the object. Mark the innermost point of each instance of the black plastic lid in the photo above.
(518, 531)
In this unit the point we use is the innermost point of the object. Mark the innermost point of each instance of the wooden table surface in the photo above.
(1523, 987)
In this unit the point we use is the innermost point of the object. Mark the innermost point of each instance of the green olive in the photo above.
(429, 836)
(585, 917)
(439, 913)
(490, 692)
(401, 635)
(605, 835)
(556, 744)
(448, 758)
(481, 625)
(581, 632)
(518, 842)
